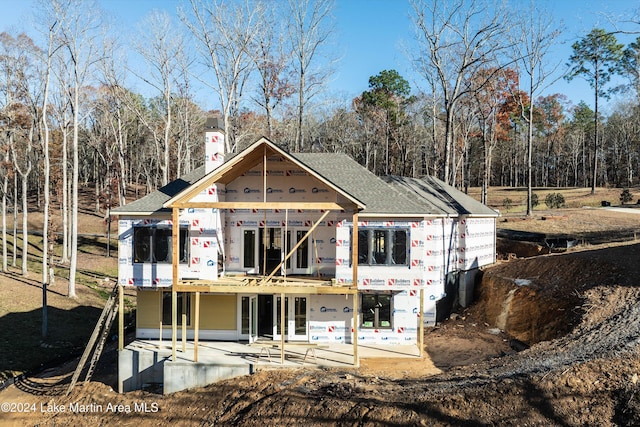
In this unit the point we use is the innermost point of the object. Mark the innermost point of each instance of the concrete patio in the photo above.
(145, 363)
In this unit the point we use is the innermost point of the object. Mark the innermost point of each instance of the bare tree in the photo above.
(114, 109)
(272, 64)
(22, 155)
(225, 33)
(9, 90)
(455, 40)
(534, 35)
(309, 28)
(162, 49)
(22, 116)
(60, 112)
(80, 25)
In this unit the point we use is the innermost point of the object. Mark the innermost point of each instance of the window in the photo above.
(184, 307)
(249, 256)
(154, 244)
(382, 246)
(376, 311)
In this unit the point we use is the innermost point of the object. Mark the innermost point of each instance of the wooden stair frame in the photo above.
(99, 335)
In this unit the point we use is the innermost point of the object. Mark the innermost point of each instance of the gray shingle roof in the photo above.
(357, 181)
(435, 194)
(152, 202)
(389, 196)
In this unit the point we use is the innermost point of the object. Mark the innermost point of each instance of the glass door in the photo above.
(249, 317)
(296, 315)
(270, 250)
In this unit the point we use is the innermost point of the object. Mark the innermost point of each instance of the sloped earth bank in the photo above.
(578, 311)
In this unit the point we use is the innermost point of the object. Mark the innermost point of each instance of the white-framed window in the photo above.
(383, 246)
(249, 248)
(376, 309)
(154, 245)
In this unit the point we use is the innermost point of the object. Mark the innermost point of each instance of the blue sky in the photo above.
(370, 34)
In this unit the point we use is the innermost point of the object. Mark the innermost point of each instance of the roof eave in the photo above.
(159, 212)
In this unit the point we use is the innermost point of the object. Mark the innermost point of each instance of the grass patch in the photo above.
(70, 320)
(574, 197)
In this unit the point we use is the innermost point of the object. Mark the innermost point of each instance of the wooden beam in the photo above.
(421, 325)
(120, 318)
(174, 323)
(354, 267)
(264, 173)
(282, 323)
(286, 231)
(292, 251)
(356, 359)
(269, 289)
(196, 328)
(213, 179)
(160, 317)
(175, 237)
(262, 205)
(184, 332)
(120, 329)
(354, 249)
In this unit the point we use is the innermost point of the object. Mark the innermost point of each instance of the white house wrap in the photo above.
(241, 215)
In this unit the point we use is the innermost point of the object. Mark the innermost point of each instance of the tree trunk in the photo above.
(65, 195)
(5, 188)
(15, 220)
(25, 214)
(74, 198)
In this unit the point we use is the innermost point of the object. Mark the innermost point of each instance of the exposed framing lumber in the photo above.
(246, 160)
(356, 359)
(120, 318)
(196, 328)
(175, 238)
(282, 312)
(262, 205)
(184, 332)
(421, 325)
(293, 250)
(268, 289)
(354, 269)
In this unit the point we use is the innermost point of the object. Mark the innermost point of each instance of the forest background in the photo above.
(477, 112)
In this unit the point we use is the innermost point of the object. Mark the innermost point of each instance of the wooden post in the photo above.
(421, 324)
(174, 323)
(354, 249)
(284, 246)
(184, 332)
(175, 258)
(354, 269)
(160, 317)
(196, 328)
(356, 359)
(120, 331)
(264, 199)
(282, 328)
(120, 318)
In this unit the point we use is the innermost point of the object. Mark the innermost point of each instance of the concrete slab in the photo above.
(148, 362)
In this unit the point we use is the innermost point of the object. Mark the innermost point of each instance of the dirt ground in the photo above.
(551, 340)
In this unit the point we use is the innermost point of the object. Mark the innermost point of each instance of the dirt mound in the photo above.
(543, 298)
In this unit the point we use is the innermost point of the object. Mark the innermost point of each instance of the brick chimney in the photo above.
(214, 143)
